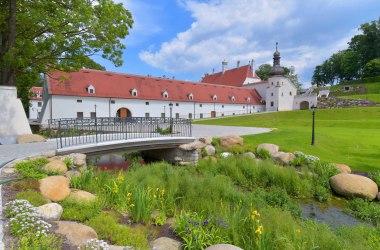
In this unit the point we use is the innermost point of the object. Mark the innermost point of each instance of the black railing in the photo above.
(69, 132)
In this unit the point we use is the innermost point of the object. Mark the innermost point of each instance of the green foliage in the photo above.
(26, 184)
(262, 153)
(45, 242)
(264, 71)
(162, 131)
(141, 205)
(376, 177)
(80, 211)
(199, 232)
(34, 197)
(107, 227)
(69, 163)
(365, 210)
(372, 68)
(32, 168)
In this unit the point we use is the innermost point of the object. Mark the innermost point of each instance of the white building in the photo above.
(93, 93)
(35, 103)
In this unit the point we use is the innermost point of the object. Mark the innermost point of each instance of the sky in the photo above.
(187, 38)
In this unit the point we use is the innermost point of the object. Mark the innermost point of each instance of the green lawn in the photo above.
(371, 97)
(350, 136)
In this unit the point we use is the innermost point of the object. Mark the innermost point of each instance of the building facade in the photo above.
(35, 103)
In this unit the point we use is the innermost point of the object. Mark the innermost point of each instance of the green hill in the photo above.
(365, 89)
(350, 136)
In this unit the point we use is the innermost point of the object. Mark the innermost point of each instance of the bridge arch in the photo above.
(304, 105)
(123, 112)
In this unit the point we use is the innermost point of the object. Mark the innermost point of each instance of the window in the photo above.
(290, 93)
(93, 115)
(214, 97)
(272, 83)
(162, 115)
(282, 94)
(146, 103)
(165, 95)
(112, 101)
(79, 115)
(248, 99)
(201, 115)
(190, 115)
(147, 115)
(271, 94)
(176, 115)
(79, 101)
(222, 114)
(200, 105)
(134, 92)
(233, 98)
(191, 96)
(39, 104)
(271, 104)
(91, 89)
(243, 107)
(346, 88)
(177, 104)
(233, 113)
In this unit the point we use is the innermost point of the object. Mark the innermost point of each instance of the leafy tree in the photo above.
(372, 68)
(263, 71)
(42, 35)
(293, 77)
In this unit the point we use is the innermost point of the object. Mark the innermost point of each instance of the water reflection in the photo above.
(114, 161)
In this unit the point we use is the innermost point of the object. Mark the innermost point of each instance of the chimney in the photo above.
(224, 65)
(237, 64)
(213, 70)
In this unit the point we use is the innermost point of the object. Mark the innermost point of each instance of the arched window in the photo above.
(165, 94)
(191, 96)
(248, 99)
(233, 98)
(91, 89)
(290, 93)
(214, 98)
(134, 92)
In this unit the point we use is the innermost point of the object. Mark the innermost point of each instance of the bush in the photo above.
(80, 211)
(69, 162)
(365, 210)
(34, 197)
(45, 242)
(263, 153)
(32, 168)
(107, 227)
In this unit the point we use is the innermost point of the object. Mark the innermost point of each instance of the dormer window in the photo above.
(248, 99)
(232, 98)
(214, 98)
(165, 94)
(91, 89)
(191, 96)
(134, 92)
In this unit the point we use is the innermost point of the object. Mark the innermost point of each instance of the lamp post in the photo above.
(313, 108)
(171, 120)
(95, 110)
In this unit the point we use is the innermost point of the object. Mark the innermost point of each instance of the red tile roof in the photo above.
(232, 77)
(116, 85)
(35, 90)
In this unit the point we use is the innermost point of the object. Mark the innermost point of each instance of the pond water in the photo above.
(115, 160)
(330, 214)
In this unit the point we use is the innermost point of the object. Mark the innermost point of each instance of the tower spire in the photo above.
(277, 69)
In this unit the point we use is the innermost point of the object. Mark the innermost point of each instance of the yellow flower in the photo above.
(298, 231)
(154, 196)
(259, 230)
(157, 189)
(162, 192)
(120, 178)
(254, 214)
(132, 205)
(129, 194)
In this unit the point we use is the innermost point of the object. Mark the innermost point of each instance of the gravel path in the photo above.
(14, 151)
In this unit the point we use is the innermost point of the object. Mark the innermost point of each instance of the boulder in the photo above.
(210, 158)
(8, 170)
(50, 211)
(29, 138)
(225, 154)
(210, 150)
(55, 188)
(165, 243)
(250, 154)
(76, 233)
(72, 173)
(81, 196)
(351, 185)
(49, 154)
(223, 247)
(79, 160)
(343, 168)
(56, 166)
(282, 157)
(272, 148)
(192, 146)
(206, 140)
(231, 141)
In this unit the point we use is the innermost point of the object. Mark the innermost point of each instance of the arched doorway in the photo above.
(123, 113)
(304, 105)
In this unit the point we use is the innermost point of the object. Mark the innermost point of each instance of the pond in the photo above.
(120, 160)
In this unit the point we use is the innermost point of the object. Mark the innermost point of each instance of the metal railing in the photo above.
(70, 132)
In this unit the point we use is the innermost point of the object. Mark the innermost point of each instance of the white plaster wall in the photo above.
(34, 109)
(67, 107)
(249, 80)
(13, 118)
(312, 99)
(325, 92)
(281, 88)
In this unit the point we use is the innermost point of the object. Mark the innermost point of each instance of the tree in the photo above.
(372, 68)
(293, 77)
(263, 71)
(44, 35)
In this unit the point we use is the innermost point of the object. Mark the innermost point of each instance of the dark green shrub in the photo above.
(321, 193)
(365, 210)
(34, 197)
(277, 197)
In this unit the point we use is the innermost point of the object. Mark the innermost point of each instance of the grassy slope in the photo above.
(350, 136)
(371, 97)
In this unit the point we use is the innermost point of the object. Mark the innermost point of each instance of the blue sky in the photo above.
(188, 38)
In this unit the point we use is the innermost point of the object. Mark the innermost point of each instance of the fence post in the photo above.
(96, 129)
(190, 127)
(59, 133)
